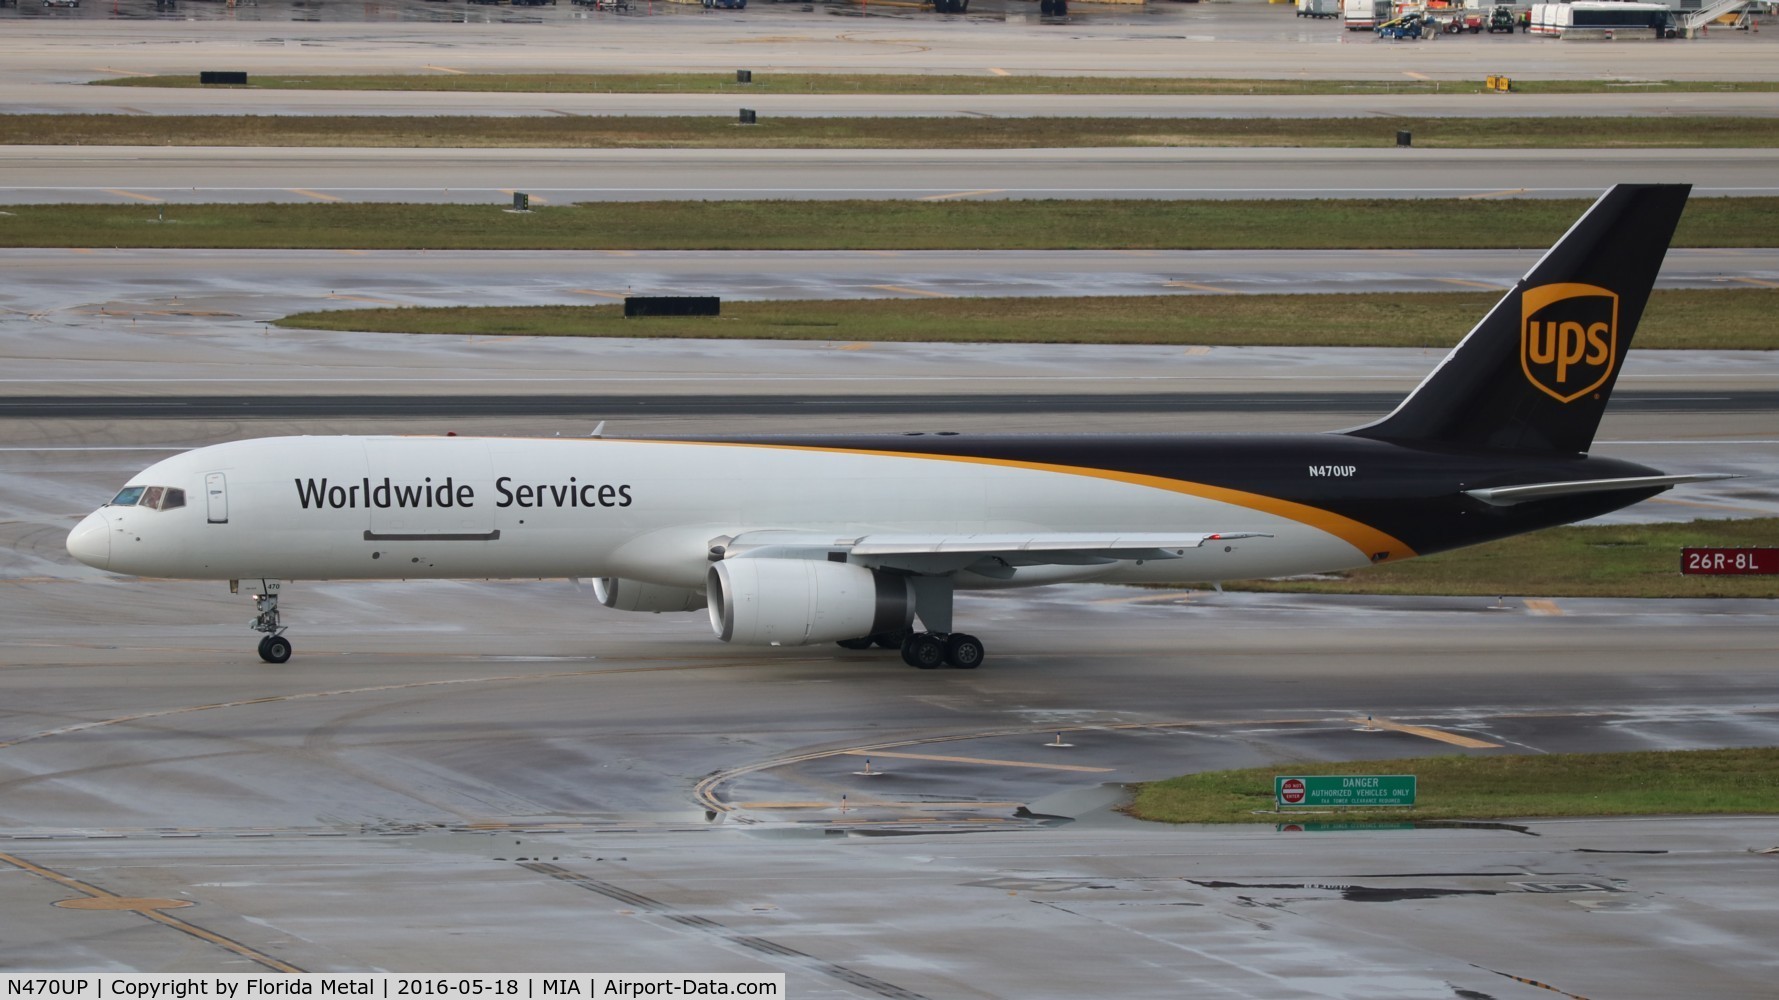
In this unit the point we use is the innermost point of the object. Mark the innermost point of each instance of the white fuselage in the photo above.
(311, 508)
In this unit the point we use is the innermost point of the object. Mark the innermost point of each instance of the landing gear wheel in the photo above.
(924, 651)
(964, 652)
(274, 649)
(862, 643)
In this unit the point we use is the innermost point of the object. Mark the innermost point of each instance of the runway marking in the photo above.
(351, 253)
(1199, 287)
(996, 70)
(540, 199)
(1427, 732)
(317, 195)
(857, 346)
(1493, 194)
(1471, 284)
(911, 291)
(595, 291)
(1197, 351)
(94, 893)
(960, 194)
(1541, 606)
(1417, 76)
(446, 69)
(977, 760)
(122, 72)
(1757, 281)
(151, 199)
(617, 253)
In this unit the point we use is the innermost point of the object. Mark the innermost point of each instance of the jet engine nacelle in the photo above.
(634, 595)
(791, 602)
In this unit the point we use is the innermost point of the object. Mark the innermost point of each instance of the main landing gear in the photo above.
(274, 648)
(926, 650)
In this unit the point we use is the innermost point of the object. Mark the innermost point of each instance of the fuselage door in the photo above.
(216, 498)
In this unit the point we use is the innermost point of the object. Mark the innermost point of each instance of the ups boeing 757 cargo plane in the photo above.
(797, 540)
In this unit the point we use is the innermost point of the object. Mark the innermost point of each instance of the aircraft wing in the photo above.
(939, 552)
(1507, 496)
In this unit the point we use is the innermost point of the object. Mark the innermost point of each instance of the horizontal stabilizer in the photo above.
(1507, 496)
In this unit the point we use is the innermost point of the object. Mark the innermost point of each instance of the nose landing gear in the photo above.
(273, 648)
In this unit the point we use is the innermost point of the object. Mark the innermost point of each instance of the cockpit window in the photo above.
(152, 497)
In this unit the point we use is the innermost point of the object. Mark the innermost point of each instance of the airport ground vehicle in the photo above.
(1319, 9)
(1364, 15)
(1593, 18)
(1413, 24)
(726, 4)
(1503, 20)
(803, 539)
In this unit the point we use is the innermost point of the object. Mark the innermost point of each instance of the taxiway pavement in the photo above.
(122, 174)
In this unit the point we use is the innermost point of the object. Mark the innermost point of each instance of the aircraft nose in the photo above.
(90, 541)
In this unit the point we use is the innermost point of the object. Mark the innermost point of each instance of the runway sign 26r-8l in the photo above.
(1330, 790)
(1729, 562)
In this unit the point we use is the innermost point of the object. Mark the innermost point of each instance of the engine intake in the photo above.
(793, 602)
(634, 595)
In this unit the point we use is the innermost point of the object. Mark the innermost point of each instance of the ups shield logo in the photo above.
(1568, 338)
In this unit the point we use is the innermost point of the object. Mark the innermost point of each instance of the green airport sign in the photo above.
(1325, 791)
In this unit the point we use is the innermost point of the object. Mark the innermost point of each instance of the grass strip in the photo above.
(1637, 783)
(1053, 224)
(865, 83)
(1629, 560)
(616, 132)
(1726, 319)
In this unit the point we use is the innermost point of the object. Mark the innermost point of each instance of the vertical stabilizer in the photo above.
(1535, 374)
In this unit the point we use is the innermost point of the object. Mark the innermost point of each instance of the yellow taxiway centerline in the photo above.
(904, 289)
(960, 194)
(1426, 732)
(978, 760)
(131, 194)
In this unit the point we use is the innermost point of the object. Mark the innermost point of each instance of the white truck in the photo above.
(1365, 15)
